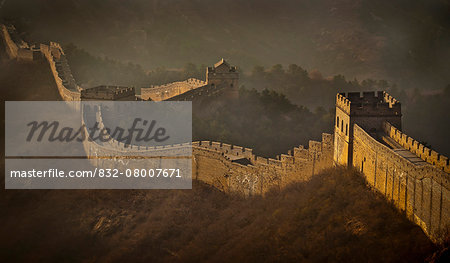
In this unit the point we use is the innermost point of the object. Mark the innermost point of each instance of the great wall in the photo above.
(367, 137)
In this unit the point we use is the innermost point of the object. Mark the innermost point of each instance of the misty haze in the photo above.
(319, 128)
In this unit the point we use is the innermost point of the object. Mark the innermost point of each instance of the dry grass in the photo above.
(333, 217)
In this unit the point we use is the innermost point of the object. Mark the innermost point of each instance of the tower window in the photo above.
(337, 121)
(342, 125)
(346, 129)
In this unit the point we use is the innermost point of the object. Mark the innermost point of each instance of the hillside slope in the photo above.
(332, 217)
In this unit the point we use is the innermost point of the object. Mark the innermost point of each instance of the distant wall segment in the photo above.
(166, 91)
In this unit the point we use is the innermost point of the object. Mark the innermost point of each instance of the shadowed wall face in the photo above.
(392, 162)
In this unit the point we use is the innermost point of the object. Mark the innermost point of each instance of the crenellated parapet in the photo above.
(428, 155)
(368, 103)
(69, 90)
(167, 91)
(416, 179)
(15, 47)
(419, 189)
(11, 48)
(114, 93)
(67, 87)
(343, 103)
(224, 76)
(231, 168)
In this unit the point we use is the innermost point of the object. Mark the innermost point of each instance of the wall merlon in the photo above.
(368, 104)
(286, 158)
(301, 152)
(343, 102)
(434, 156)
(315, 147)
(227, 147)
(261, 160)
(205, 143)
(414, 146)
(391, 100)
(274, 162)
(327, 139)
(216, 145)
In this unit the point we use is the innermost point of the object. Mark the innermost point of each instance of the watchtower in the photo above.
(223, 75)
(369, 110)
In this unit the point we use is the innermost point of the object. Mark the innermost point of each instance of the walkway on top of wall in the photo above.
(397, 148)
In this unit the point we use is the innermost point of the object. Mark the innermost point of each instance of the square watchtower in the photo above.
(369, 110)
(223, 75)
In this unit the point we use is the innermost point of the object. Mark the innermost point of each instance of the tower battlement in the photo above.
(343, 103)
(223, 75)
(369, 103)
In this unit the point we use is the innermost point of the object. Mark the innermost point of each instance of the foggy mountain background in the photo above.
(305, 50)
(407, 42)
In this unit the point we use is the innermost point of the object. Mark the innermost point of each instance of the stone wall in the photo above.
(167, 91)
(217, 163)
(67, 87)
(15, 47)
(200, 93)
(342, 135)
(428, 155)
(10, 47)
(418, 189)
(213, 162)
(217, 168)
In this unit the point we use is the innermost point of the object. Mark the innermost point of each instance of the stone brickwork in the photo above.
(224, 76)
(428, 155)
(219, 164)
(67, 87)
(417, 188)
(167, 91)
(367, 136)
(8, 44)
(15, 47)
(116, 93)
(415, 178)
(205, 92)
(221, 78)
(369, 110)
